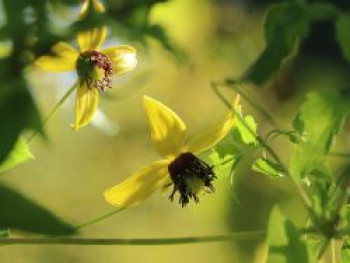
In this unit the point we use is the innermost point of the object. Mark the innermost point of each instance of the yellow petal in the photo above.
(213, 136)
(86, 105)
(139, 186)
(94, 37)
(123, 58)
(167, 129)
(63, 58)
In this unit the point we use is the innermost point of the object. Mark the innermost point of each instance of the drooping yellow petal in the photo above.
(213, 136)
(63, 58)
(94, 37)
(86, 105)
(139, 186)
(167, 129)
(123, 58)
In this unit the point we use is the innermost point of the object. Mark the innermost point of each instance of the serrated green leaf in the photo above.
(285, 25)
(246, 127)
(19, 154)
(319, 119)
(19, 212)
(226, 156)
(267, 167)
(342, 26)
(239, 142)
(222, 165)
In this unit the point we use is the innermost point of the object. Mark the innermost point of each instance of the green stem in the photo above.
(54, 110)
(241, 236)
(98, 219)
(299, 189)
(252, 102)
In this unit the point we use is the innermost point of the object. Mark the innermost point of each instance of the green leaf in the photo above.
(319, 119)
(132, 19)
(17, 110)
(223, 165)
(246, 127)
(267, 167)
(226, 156)
(285, 25)
(268, 62)
(323, 191)
(12, 104)
(19, 154)
(239, 142)
(21, 213)
(342, 26)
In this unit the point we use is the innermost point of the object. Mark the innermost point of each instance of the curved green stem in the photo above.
(248, 235)
(98, 219)
(54, 110)
(252, 102)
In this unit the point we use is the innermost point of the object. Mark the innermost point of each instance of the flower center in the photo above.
(190, 175)
(96, 69)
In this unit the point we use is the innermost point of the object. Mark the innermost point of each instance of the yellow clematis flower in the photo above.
(179, 167)
(95, 67)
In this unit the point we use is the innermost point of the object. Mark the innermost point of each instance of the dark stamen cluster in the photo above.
(87, 64)
(185, 171)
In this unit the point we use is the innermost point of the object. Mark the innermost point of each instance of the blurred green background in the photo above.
(72, 169)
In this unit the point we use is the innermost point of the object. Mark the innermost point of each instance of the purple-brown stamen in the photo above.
(88, 67)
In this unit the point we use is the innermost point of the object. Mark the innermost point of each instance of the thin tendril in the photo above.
(252, 102)
(98, 219)
(54, 110)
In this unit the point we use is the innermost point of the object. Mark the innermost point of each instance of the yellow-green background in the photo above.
(72, 169)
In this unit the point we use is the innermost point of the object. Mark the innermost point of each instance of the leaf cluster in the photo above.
(316, 126)
(285, 28)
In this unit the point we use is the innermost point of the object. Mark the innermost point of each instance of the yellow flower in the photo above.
(95, 67)
(179, 167)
